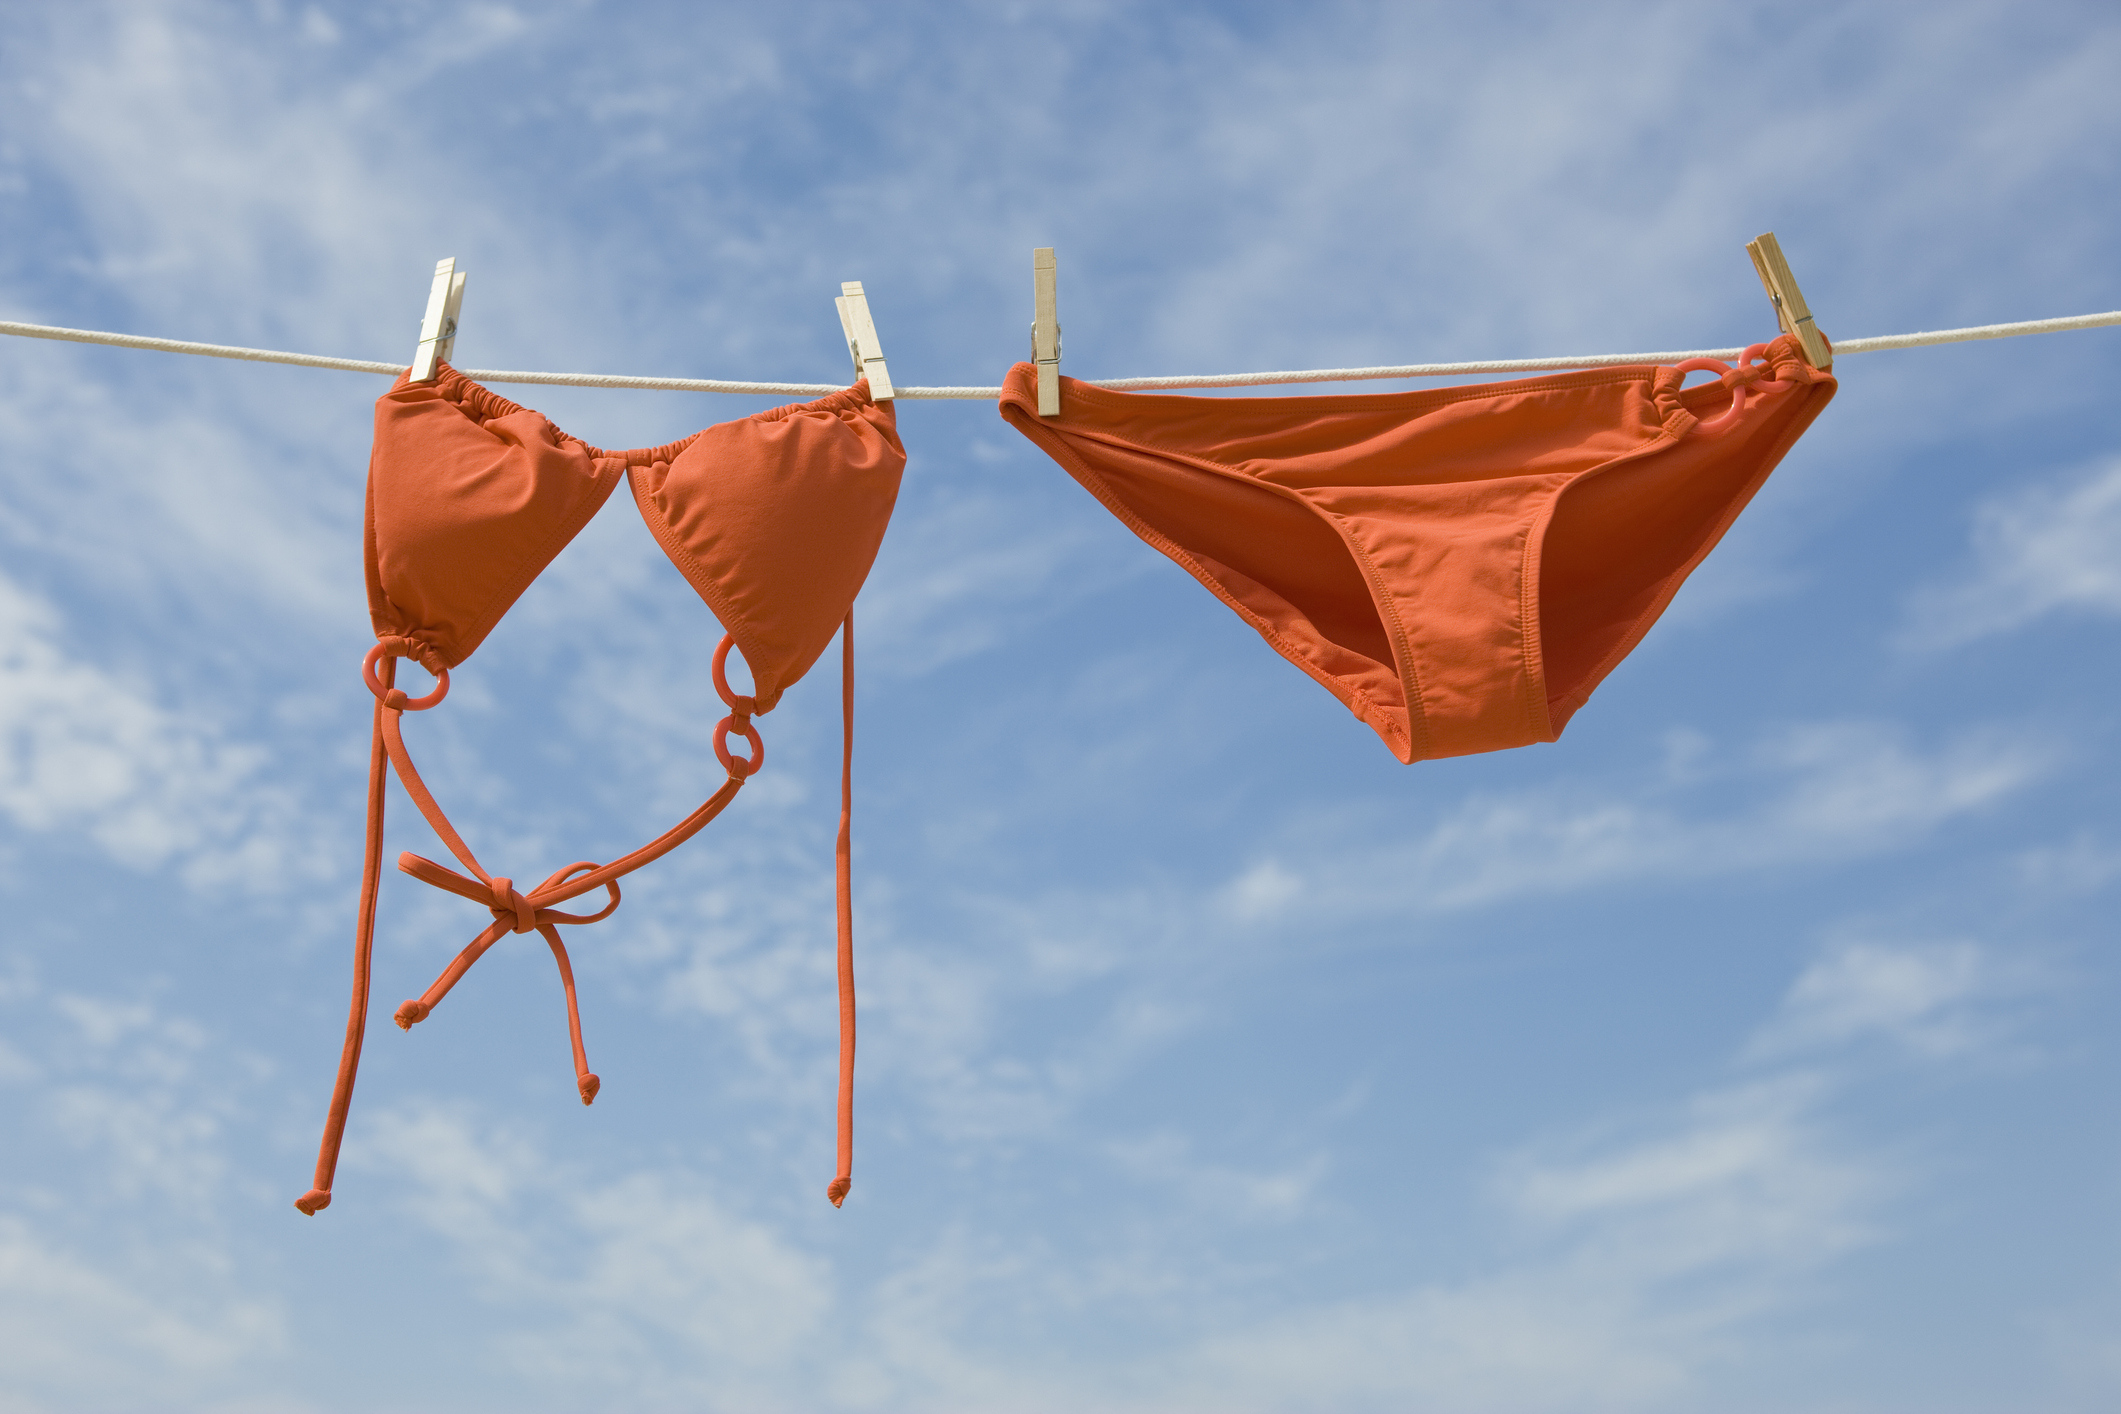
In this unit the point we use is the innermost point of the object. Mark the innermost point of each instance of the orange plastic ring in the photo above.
(736, 765)
(1757, 353)
(1709, 427)
(410, 704)
(737, 702)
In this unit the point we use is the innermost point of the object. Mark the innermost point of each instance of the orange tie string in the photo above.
(319, 1195)
(512, 912)
(843, 872)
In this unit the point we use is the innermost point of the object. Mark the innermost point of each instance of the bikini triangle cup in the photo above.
(774, 519)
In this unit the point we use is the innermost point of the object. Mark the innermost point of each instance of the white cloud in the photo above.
(2046, 549)
(130, 1087)
(1821, 793)
(1126, 964)
(90, 1333)
(82, 749)
(641, 1266)
(960, 574)
(1918, 995)
(15, 1067)
(1640, 1257)
(120, 1286)
(145, 1096)
(2081, 1343)
(1172, 1160)
(181, 511)
(197, 208)
(1262, 891)
(1643, 1256)
(2081, 865)
(759, 1303)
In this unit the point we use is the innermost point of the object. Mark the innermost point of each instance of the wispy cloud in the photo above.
(79, 1329)
(1817, 794)
(964, 571)
(1172, 1160)
(119, 1282)
(1645, 1246)
(1921, 996)
(182, 509)
(84, 750)
(2050, 548)
(644, 1267)
(1646, 1252)
(1643, 1253)
(2083, 864)
(1634, 1252)
(194, 204)
(1125, 963)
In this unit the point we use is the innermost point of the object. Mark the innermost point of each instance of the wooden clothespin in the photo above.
(862, 341)
(1045, 332)
(438, 329)
(1790, 308)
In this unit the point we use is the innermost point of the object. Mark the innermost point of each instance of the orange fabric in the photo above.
(843, 877)
(774, 520)
(1460, 566)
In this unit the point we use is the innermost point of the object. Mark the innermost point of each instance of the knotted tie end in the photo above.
(408, 1015)
(314, 1200)
(510, 907)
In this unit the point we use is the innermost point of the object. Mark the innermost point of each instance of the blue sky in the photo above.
(1751, 1048)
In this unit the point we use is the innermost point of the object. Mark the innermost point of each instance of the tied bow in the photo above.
(518, 913)
(513, 913)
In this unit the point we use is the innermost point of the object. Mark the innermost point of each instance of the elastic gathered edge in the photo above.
(486, 404)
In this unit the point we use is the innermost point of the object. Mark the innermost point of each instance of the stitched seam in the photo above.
(498, 603)
(695, 573)
(1530, 629)
(1441, 397)
(1649, 616)
(1195, 459)
(548, 550)
(1296, 653)
(1409, 680)
(491, 612)
(1665, 440)
(1593, 378)
(1300, 654)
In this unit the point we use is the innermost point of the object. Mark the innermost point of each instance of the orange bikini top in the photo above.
(774, 519)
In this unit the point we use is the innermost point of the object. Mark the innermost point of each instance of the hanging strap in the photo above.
(512, 912)
(843, 872)
(319, 1196)
(521, 913)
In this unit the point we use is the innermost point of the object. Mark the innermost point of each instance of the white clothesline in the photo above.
(1205, 380)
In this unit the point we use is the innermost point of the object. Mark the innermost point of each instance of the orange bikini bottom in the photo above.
(1461, 566)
